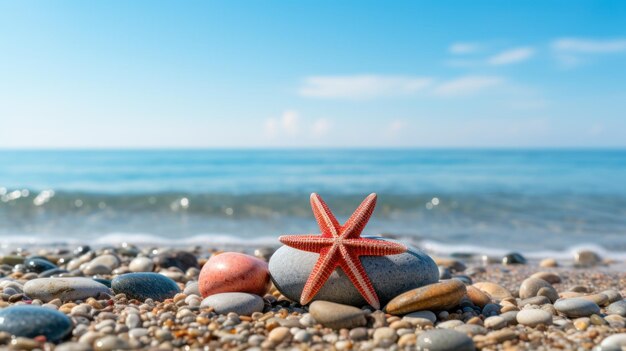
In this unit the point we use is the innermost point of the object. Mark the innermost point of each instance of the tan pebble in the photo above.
(392, 319)
(507, 303)
(279, 334)
(549, 292)
(407, 340)
(531, 286)
(548, 262)
(438, 296)
(475, 320)
(579, 289)
(67, 308)
(478, 297)
(502, 335)
(550, 277)
(599, 299)
(508, 308)
(400, 325)
(179, 297)
(570, 294)
(497, 292)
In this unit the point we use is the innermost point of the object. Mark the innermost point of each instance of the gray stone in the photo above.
(495, 322)
(577, 307)
(451, 324)
(141, 264)
(510, 317)
(65, 289)
(618, 307)
(537, 300)
(243, 304)
(390, 275)
(616, 341)
(531, 286)
(73, 346)
(421, 314)
(192, 289)
(613, 295)
(586, 258)
(32, 321)
(444, 340)
(337, 316)
(471, 329)
(534, 317)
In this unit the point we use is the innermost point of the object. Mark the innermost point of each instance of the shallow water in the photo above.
(473, 200)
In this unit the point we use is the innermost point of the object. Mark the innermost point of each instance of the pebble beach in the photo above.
(129, 297)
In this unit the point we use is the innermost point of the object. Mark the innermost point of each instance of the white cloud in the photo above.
(320, 127)
(395, 127)
(362, 86)
(589, 46)
(289, 122)
(463, 48)
(467, 85)
(512, 56)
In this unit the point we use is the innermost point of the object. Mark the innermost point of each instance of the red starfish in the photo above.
(341, 246)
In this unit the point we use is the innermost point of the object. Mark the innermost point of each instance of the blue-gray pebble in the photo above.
(577, 307)
(142, 286)
(444, 340)
(32, 321)
(617, 307)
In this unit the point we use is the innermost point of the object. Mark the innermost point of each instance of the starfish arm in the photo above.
(323, 268)
(310, 243)
(373, 247)
(325, 219)
(352, 267)
(355, 224)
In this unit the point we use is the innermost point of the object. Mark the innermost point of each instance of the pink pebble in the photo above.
(234, 272)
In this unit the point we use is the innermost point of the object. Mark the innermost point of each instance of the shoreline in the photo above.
(104, 323)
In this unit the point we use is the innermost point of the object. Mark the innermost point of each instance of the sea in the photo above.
(538, 202)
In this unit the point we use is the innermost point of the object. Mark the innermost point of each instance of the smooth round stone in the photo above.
(32, 321)
(421, 314)
(550, 277)
(548, 263)
(390, 275)
(537, 300)
(478, 297)
(107, 260)
(614, 341)
(586, 258)
(471, 329)
(534, 317)
(444, 340)
(73, 346)
(618, 307)
(65, 289)
(495, 322)
(141, 264)
(243, 304)
(438, 296)
(494, 290)
(38, 265)
(530, 287)
(143, 286)
(613, 295)
(514, 258)
(192, 289)
(451, 324)
(234, 272)
(337, 316)
(577, 307)
(510, 317)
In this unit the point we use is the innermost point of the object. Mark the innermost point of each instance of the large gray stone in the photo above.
(66, 289)
(444, 340)
(390, 275)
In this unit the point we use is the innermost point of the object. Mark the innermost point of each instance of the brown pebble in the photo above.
(438, 296)
(478, 297)
(497, 292)
(550, 277)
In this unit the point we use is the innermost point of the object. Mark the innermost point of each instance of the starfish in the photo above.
(341, 246)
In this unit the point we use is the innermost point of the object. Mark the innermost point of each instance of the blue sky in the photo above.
(312, 74)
